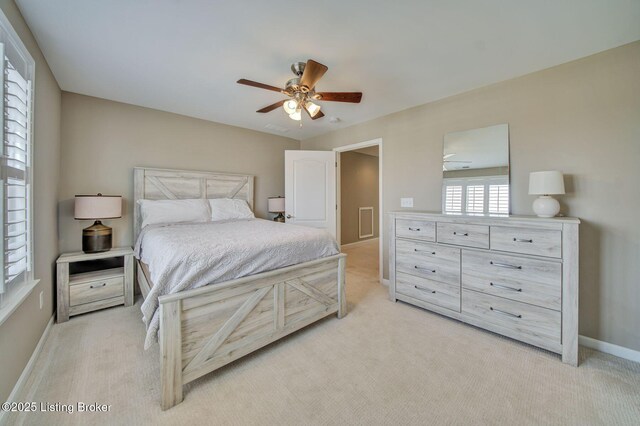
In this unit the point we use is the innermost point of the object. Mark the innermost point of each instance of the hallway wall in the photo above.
(358, 188)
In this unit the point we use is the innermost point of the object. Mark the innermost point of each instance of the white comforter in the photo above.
(186, 256)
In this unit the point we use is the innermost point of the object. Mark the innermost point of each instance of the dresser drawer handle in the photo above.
(465, 234)
(509, 314)
(414, 229)
(522, 240)
(433, 271)
(97, 285)
(506, 287)
(504, 265)
(424, 251)
(424, 289)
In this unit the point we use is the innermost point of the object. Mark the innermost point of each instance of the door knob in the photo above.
(289, 216)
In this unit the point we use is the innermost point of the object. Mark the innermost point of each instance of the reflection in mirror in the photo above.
(475, 171)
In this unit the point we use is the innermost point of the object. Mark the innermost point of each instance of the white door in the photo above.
(310, 189)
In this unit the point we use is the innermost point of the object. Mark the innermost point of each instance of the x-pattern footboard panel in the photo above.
(219, 327)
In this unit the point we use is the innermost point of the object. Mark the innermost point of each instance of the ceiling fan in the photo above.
(445, 159)
(302, 93)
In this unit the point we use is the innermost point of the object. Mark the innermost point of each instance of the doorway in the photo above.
(359, 199)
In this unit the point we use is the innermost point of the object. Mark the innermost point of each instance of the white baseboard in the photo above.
(359, 242)
(26, 372)
(609, 348)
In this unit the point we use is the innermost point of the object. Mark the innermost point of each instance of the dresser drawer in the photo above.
(463, 235)
(424, 250)
(428, 261)
(436, 293)
(541, 242)
(538, 282)
(420, 229)
(531, 324)
(93, 291)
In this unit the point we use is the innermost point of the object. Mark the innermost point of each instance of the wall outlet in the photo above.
(406, 202)
(41, 299)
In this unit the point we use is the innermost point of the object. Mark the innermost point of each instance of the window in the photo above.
(499, 199)
(475, 199)
(453, 199)
(17, 70)
(476, 195)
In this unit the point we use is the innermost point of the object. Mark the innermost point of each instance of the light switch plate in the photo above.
(406, 202)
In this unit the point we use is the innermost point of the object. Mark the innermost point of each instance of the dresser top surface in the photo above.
(481, 218)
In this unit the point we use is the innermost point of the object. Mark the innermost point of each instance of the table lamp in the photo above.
(546, 184)
(97, 237)
(276, 205)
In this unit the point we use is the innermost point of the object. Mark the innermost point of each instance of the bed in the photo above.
(202, 329)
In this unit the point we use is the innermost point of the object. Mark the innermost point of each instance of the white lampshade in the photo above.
(276, 205)
(312, 108)
(297, 115)
(98, 206)
(290, 106)
(546, 183)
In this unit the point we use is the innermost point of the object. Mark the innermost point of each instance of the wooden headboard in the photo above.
(168, 184)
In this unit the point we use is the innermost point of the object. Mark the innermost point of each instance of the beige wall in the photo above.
(358, 188)
(583, 118)
(20, 333)
(103, 140)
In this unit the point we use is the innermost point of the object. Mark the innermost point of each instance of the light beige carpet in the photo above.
(385, 363)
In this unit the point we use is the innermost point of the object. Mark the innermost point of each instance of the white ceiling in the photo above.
(186, 56)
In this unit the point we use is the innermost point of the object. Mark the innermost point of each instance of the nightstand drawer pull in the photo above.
(97, 285)
(462, 234)
(509, 314)
(414, 229)
(504, 265)
(522, 240)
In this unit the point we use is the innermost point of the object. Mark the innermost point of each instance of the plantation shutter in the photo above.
(14, 179)
(453, 199)
(499, 199)
(475, 199)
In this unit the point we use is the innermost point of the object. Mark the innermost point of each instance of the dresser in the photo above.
(516, 276)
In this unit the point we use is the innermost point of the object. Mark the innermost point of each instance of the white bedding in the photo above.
(186, 256)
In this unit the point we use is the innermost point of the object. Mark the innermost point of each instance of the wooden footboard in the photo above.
(203, 329)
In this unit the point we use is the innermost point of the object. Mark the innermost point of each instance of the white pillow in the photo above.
(227, 208)
(173, 211)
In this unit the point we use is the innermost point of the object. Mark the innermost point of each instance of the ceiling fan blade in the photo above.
(319, 114)
(313, 72)
(272, 106)
(353, 97)
(259, 85)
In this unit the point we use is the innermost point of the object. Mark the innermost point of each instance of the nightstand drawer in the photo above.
(93, 291)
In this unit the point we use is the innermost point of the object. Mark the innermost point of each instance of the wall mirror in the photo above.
(475, 172)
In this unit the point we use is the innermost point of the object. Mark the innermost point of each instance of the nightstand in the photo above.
(88, 282)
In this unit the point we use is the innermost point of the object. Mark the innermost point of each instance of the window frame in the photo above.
(464, 183)
(17, 292)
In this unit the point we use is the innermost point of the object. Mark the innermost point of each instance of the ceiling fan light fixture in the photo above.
(312, 108)
(296, 115)
(290, 106)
